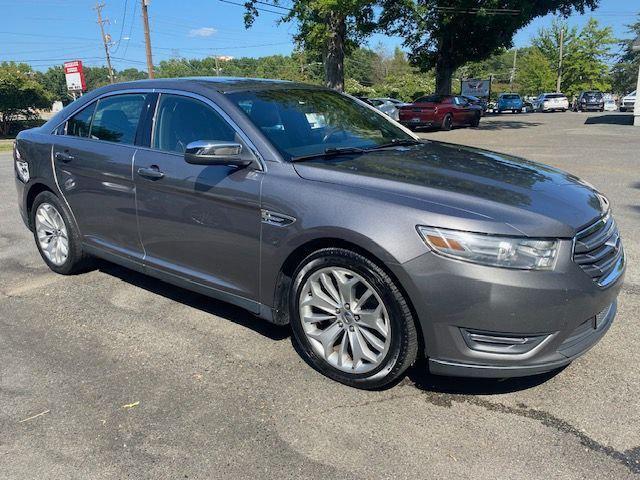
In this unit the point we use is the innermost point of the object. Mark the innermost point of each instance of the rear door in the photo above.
(93, 154)
(199, 222)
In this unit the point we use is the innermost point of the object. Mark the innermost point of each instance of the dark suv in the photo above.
(310, 208)
(590, 100)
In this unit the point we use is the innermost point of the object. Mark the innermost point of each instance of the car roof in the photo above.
(220, 84)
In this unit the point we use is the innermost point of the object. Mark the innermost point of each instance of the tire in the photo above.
(622, 109)
(476, 121)
(401, 341)
(46, 206)
(519, 111)
(447, 122)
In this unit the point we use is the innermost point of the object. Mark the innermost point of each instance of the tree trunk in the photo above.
(334, 54)
(444, 72)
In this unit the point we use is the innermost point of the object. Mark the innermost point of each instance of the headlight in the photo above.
(496, 251)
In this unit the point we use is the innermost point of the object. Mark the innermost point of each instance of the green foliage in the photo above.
(535, 74)
(625, 72)
(20, 94)
(586, 55)
(446, 35)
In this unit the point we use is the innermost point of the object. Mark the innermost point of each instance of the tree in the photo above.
(20, 94)
(588, 65)
(535, 74)
(586, 55)
(625, 71)
(331, 27)
(551, 41)
(446, 35)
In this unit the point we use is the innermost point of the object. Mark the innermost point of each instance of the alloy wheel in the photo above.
(344, 320)
(52, 234)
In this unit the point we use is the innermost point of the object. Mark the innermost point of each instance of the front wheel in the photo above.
(350, 320)
(447, 122)
(475, 121)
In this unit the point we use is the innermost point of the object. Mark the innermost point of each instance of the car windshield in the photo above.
(308, 121)
(511, 97)
(555, 95)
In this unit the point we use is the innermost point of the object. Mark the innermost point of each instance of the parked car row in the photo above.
(447, 111)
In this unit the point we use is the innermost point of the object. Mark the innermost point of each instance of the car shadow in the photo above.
(417, 376)
(611, 119)
(420, 377)
(505, 125)
(196, 300)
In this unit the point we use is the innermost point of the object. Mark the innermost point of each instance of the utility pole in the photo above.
(105, 37)
(559, 81)
(147, 38)
(513, 69)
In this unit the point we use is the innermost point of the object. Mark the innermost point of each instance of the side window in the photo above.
(80, 123)
(116, 118)
(182, 120)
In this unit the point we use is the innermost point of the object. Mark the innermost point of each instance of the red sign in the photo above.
(74, 75)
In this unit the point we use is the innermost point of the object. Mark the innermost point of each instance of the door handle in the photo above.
(152, 172)
(64, 157)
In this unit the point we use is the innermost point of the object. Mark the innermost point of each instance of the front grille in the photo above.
(598, 250)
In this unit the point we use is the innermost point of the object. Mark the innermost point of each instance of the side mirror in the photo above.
(204, 152)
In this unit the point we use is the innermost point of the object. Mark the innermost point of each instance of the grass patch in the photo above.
(6, 145)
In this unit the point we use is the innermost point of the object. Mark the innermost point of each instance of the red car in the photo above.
(443, 111)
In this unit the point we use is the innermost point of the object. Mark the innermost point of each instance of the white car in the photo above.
(628, 102)
(610, 105)
(551, 102)
(389, 106)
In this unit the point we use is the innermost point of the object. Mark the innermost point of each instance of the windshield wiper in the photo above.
(334, 152)
(330, 152)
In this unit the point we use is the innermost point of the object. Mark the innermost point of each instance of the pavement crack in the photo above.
(629, 458)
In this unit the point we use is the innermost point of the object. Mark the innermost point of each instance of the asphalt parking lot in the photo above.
(112, 374)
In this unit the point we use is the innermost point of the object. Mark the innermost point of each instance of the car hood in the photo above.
(468, 188)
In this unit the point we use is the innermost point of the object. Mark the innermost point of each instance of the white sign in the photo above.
(476, 87)
(74, 76)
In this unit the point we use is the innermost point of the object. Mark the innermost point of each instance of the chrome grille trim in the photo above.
(598, 251)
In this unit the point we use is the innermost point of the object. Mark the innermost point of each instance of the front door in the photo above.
(93, 154)
(199, 222)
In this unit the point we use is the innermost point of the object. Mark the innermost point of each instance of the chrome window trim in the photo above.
(218, 110)
(95, 100)
(168, 91)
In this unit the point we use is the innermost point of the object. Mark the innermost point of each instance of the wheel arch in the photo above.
(34, 190)
(292, 261)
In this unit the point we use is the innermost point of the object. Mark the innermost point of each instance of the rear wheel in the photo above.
(447, 122)
(350, 320)
(56, 235)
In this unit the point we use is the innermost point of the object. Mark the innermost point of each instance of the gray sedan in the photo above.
(307, 207)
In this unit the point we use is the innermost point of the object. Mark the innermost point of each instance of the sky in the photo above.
(48, 32)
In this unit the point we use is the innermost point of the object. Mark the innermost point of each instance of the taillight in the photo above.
(22, 167)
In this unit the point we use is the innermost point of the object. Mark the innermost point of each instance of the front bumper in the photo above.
(559, 307)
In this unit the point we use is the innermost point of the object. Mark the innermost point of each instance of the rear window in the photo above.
(593, 95)
(116, 118)
(555, 95)
(511, 96)
(431, 99)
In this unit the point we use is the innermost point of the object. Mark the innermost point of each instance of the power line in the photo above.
(257, 8)
(124, 16)
(133, 19)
